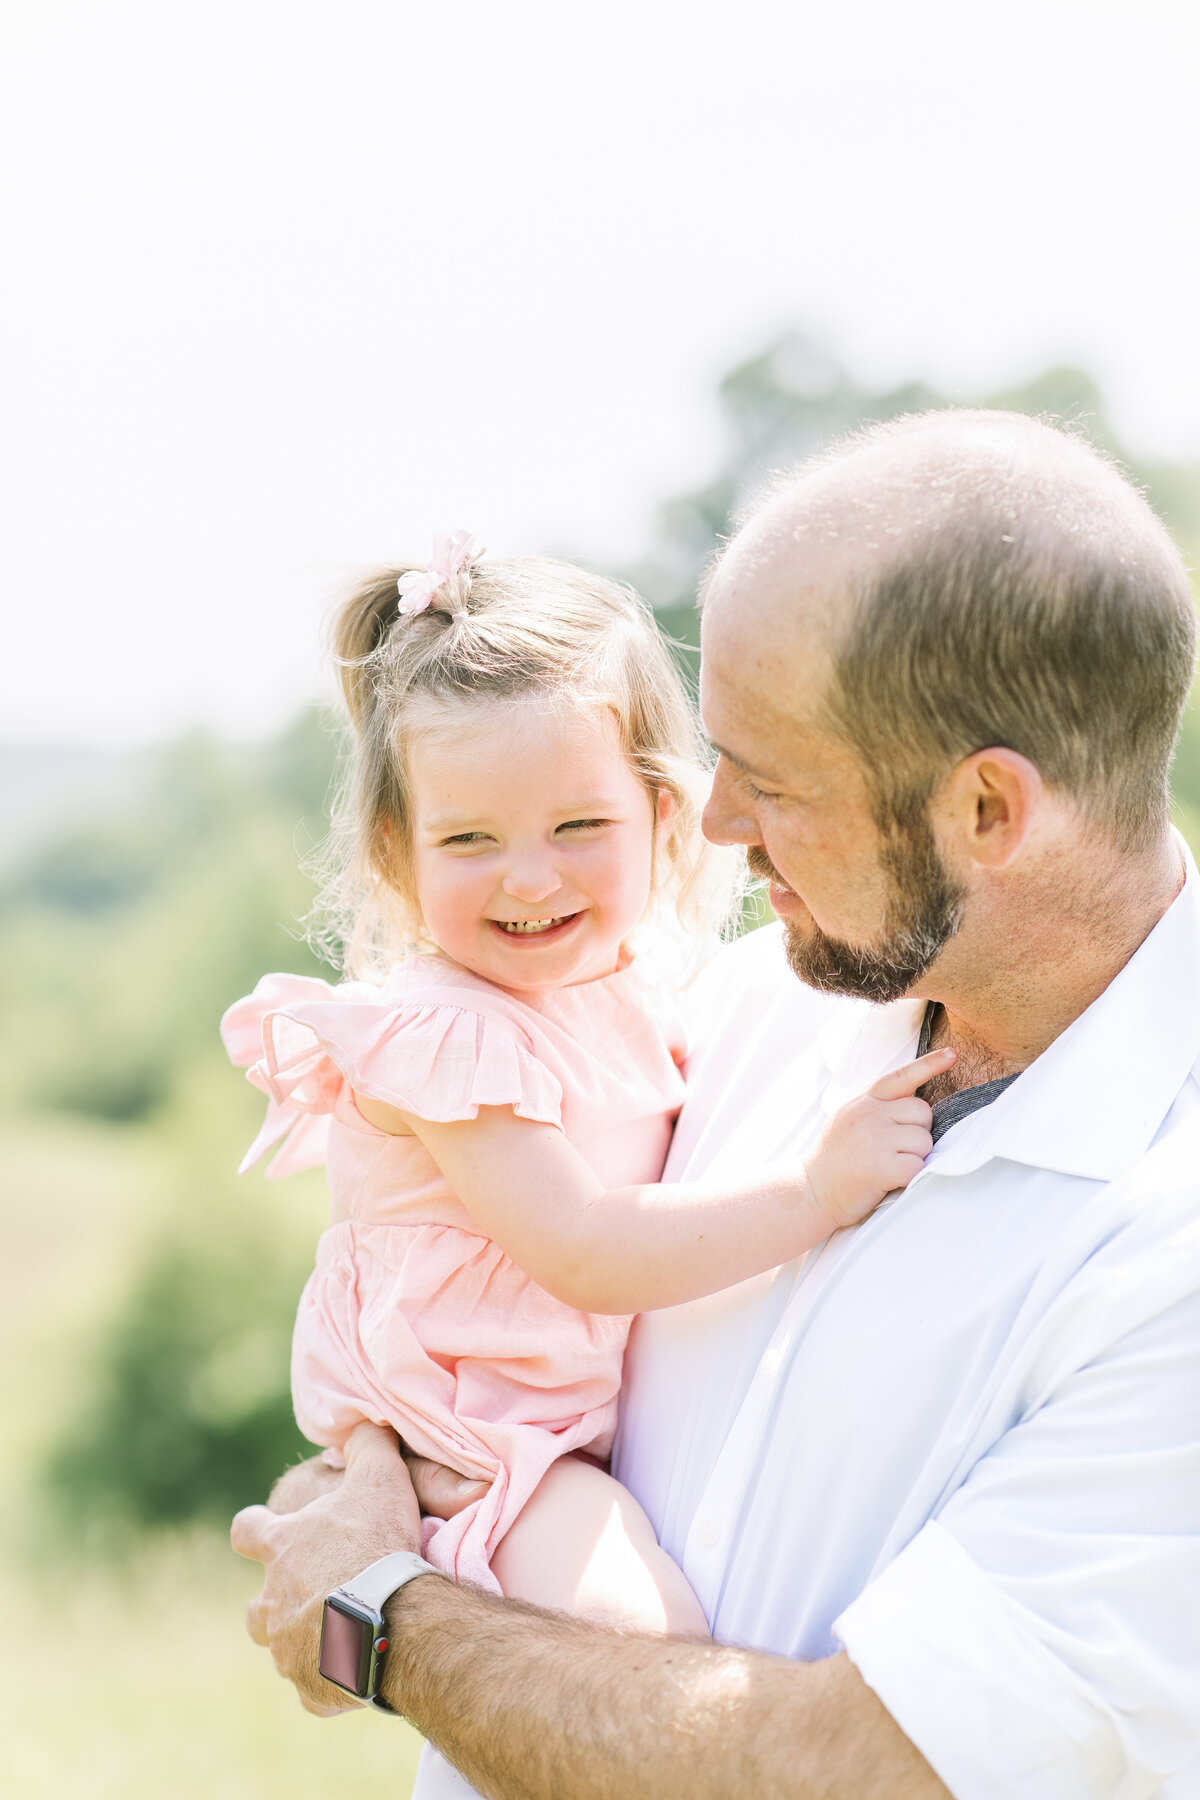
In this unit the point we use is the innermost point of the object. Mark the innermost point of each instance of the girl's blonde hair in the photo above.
(498, 631)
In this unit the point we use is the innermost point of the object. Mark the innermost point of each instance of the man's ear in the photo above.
(988, 804)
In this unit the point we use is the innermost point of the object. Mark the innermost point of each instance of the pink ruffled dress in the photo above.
(412, 1318)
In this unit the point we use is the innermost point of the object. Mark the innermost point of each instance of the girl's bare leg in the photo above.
(583, 1545)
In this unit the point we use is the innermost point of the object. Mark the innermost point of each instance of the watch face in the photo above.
(346, 1639)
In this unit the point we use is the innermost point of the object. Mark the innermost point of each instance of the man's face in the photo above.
(864, 912)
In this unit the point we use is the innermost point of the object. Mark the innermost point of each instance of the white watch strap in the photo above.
(380, 1580)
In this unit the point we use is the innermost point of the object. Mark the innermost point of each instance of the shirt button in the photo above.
(708, 1531)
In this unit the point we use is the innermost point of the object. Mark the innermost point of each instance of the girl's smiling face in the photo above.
(533, 839)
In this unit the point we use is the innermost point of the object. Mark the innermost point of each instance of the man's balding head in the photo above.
(979, 579)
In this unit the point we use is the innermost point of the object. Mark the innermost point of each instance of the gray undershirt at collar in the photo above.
(958, 1106)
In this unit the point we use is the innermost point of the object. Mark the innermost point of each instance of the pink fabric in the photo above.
(411, 1317)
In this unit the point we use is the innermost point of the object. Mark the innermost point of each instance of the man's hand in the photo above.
(441, 1491)
(361, 1516)
(303, 1482)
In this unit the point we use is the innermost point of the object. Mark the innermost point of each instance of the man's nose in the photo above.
(530, 880)
(726, 819)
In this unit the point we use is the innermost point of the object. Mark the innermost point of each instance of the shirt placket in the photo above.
(706, 1552)
(710, 1542)
(876, 1043)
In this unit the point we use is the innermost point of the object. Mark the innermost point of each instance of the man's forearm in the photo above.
(534, 1706)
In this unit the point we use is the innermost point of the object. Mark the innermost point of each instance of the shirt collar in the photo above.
(1093, 1101)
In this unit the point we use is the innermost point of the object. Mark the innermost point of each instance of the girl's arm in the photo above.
(632, 1249)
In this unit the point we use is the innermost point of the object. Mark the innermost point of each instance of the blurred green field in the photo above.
(146, 1291)
(139, 1683)
(124, 1669)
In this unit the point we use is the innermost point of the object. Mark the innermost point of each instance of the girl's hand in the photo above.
(875, 1144)
(441, 1491)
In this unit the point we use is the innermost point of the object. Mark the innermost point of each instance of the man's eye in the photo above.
(757, 793)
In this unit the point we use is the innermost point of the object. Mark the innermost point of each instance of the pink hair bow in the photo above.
(452, 552)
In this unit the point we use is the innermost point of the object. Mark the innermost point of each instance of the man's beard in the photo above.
(924, 910)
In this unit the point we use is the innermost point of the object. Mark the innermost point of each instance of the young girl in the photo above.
(522, 878)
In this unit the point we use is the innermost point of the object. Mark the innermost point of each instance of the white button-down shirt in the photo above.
(963, 1440)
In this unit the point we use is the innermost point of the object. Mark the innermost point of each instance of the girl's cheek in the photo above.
(457, 895)
(440, 892)
(630, 881)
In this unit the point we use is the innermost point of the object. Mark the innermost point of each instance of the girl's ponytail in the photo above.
(360, 628)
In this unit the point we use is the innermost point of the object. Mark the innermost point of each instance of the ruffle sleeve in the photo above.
(302, 1041)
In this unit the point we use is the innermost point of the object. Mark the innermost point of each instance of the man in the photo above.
(944, 1475)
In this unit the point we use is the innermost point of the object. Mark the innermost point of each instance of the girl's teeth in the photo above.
(523, 926)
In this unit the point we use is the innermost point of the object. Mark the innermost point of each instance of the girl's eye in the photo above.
(582, 824)
(465, 837)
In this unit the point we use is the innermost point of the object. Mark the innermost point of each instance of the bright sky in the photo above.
(291, 285)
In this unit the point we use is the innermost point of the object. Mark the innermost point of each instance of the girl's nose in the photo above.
(531, 881)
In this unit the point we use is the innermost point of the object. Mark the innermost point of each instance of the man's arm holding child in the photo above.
(532, 1705)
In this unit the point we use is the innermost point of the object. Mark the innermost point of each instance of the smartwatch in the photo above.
(353, 1635)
